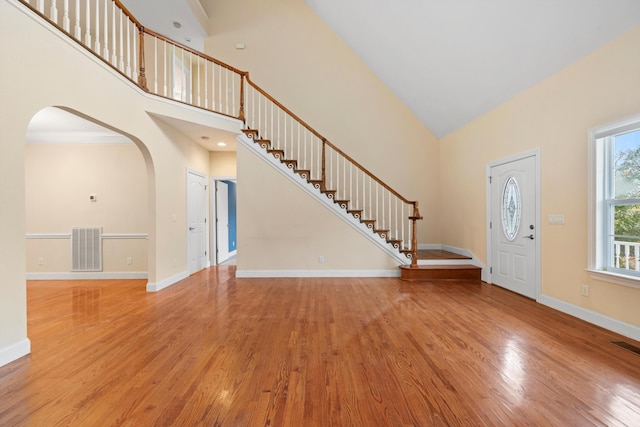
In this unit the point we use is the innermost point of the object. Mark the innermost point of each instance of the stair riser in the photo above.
(435, 274)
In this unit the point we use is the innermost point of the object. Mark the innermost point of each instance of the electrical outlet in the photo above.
(320, 259)
(585, 290)
(129, 260)
(40, 261)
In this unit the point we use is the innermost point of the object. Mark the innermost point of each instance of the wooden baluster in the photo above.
(97, 47)
(297, 155)
(87, 33)
(198, 87)
(636, 254)
(105, 39)
(403, 222)
(66, 23)
(233, 92)
(206, 84)
(189, 82)
(66, 18)
(53, 12)
(617, 255)
(155, 66)
(129, 29)
(165, 60)
(220, 91)
(226, 87)
(121, 56)
(114, 48)
(40, 6)
(253, 109)
(134, 56)
(324, 163)
(77, 31)
(260, 128)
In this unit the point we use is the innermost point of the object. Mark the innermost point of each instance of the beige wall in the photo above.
(222, 164)
(59, 180)
(297, 59)
(292, 230)
(555, 116)
(56, 73)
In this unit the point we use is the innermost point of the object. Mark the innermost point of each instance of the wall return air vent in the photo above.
(86, 249)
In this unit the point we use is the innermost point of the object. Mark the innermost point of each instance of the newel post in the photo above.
(241, 112)
(414, 235)
(324, 182)
(142, 78)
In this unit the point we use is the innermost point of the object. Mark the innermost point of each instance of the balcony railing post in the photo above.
(142, 78)
(241, 112)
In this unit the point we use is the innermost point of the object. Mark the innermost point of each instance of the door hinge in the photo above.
(490, 270)
(490, 225)
(205, 220)
(205, 187)
(205, 253)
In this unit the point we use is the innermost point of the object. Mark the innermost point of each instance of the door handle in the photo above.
(530, 236)
(191, 228)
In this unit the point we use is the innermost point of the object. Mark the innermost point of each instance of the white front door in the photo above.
(222, 221)
(513, 225)
(196, 221)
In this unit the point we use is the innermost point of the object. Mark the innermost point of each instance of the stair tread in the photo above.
(442, 267)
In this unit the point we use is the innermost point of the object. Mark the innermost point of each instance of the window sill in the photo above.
(618, 279)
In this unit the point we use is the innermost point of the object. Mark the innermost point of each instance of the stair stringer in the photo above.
(302, 183)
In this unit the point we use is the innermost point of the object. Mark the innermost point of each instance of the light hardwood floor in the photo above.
(218, 351)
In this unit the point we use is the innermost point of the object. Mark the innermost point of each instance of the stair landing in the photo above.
(436, 264)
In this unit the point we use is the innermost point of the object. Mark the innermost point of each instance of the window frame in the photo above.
(601, 205)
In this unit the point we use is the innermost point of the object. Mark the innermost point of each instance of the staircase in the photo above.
(111, 32)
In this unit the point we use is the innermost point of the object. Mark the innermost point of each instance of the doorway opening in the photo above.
(224, 242)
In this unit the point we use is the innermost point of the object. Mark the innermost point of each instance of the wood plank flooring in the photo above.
(218, 351)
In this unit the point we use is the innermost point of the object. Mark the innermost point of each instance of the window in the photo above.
(615, 202)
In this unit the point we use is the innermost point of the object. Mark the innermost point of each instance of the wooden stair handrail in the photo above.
(327, 142)
(195, 52)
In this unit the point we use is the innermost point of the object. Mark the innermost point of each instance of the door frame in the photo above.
(535, 153)
(204, 177)
(213, 242)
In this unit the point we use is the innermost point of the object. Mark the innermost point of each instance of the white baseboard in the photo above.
(597, 319)
(158, 286)
(98, 275)
(15, 351)
(317, 273)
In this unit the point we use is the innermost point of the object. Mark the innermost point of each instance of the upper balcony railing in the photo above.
(168, 69)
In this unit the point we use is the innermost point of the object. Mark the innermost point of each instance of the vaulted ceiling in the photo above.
(449, 61)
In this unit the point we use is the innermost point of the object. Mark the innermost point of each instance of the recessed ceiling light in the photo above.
(221, 144)
(177, 24)
(188, 40)
(204, 138)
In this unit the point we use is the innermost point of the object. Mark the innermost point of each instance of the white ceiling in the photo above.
(451, 61)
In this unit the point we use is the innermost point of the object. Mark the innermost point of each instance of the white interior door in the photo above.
(196, 221)
(222, 221)
(513, 226)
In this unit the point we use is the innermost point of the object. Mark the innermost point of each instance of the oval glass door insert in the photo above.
(511, 208)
